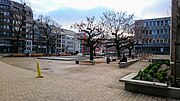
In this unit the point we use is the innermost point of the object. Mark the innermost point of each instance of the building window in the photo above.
(153, 31)
(63, 45)
(157, 41)
(157, 31)
(146, 33)
(7, 13)
(150, 41)
(150, 23)
(154, 23)
(63, 41)
(162, 31)
(4, 7)
(69, 42)
(166, 22)
(165, 31)
(150, 32)
(162, 22)
(2, 13)
(161, 41)
(7, 20)
(144, 24)
(63, 37)
(158, 23)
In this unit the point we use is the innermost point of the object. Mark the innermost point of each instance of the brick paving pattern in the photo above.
(17, 84)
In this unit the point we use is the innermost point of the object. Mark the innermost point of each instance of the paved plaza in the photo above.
(67, 81)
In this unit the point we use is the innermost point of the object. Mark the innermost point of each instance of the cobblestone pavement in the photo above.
(18, 84)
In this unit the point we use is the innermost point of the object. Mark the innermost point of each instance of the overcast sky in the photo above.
(67, 12)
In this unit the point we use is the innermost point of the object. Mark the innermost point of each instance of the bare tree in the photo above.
(19, 27)
(135, 34)
(116, 23)
(93, 32)
(47, 27)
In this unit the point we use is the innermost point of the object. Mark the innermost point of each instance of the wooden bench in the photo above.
(126, 64)
(85, 61)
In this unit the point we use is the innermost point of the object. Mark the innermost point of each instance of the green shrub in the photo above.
(161, 76)
(155, 68)
(147, 78)
(151, 71)
(141, 74)
(148, 68)
(158, 65)
(145, 70)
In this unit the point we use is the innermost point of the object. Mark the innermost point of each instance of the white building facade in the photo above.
(67, 42)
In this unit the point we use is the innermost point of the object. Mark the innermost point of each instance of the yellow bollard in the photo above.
(39, 71)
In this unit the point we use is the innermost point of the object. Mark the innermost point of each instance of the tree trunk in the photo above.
(94, 51)
(47, 47)
(130, 52)
(117, 47)
(118, 52)
(91, 53)
(17, 45)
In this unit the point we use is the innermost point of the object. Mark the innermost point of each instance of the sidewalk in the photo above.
(17, 84)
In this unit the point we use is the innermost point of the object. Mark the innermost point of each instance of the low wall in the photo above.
(85, 61)
(158, 60)
(150, 88)
(126, 64)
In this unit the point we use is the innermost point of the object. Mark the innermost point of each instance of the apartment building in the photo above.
(15, 25)
(61, 40)
(39, 43)
(67, 42)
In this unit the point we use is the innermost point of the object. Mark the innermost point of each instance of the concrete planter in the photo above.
(150, 88)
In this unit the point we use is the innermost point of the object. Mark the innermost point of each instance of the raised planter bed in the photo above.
(150, 88)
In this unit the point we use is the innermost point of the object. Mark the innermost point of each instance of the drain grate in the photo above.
(46, 68)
